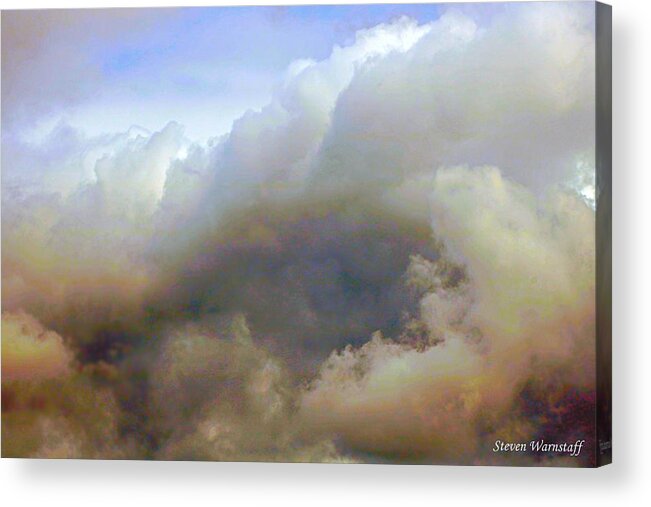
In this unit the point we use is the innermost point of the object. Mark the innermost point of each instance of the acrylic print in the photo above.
(347, 234)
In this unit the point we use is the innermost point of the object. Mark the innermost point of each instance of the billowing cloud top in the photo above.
(388, 257)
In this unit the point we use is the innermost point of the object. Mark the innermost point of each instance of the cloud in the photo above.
(395, 295)
(29, 351)
(522, 317)
(52, 406)
(467, 94)
(225, 398)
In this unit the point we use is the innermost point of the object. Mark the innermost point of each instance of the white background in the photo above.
(626, 482)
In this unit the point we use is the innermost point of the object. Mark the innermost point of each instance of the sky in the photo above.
(342, 234)
(106, 70)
